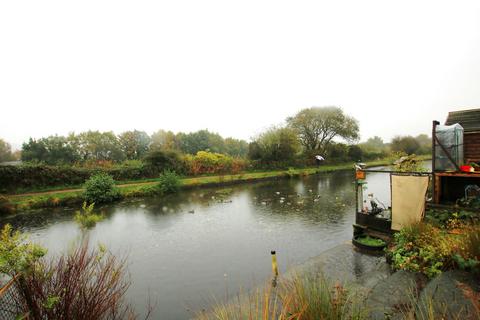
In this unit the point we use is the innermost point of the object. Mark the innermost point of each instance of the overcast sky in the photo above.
(235, 68)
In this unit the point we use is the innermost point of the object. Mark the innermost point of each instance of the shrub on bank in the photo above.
(213, 163)
(101, 188)
(31, 176)
(169, 182)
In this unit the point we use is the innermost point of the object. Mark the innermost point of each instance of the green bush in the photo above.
(169, 182)
(100, 188)
(16, 253)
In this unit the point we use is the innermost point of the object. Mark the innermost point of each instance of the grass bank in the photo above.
(141, 188)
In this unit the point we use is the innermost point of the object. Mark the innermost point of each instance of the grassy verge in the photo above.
(145, 187)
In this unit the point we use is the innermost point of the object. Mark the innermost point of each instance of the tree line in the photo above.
(325, 131)
(129, 145)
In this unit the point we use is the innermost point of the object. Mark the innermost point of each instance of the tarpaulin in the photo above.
(408, 199)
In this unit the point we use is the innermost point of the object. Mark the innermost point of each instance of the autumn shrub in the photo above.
(85, 283)
(468, 253)
(423, 248)
(5, 205)
(81, 284)
(213, 163)
(101, 188)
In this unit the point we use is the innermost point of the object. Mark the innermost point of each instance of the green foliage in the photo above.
(443, 218)
(318, 126)
(50, 150)
(30, 176)
(169, 182)
(16, 254)
(101, 188)
(86, 218)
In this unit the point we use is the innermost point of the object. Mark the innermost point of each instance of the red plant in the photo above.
(83, 284)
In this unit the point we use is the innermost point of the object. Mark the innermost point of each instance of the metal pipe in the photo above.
(274, 263)
(394, 171)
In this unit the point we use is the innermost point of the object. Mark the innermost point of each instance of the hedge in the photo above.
(37, 176)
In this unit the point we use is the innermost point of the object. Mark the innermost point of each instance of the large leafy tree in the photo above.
(134, 144)
(318, 126)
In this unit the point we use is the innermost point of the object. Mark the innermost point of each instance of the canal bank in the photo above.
(135, 189)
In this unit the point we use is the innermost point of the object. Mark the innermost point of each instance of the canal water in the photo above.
(195, 247)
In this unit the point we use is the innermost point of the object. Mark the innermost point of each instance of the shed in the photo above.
(449, 186)
(470, 121)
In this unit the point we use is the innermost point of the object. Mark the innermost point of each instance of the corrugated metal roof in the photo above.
(468, 119)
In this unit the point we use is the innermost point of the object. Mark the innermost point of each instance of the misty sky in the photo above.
(235, 68)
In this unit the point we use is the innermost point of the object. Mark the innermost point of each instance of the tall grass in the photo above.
(302, 297)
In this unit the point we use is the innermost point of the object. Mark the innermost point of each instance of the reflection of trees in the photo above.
(322, 198)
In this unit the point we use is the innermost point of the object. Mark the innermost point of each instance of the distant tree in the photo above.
(276, 144)
(425, 143)
(337, 152)
(6, 151)
(374, 148)
(51, 150)
(202, 140)
(355, 153)
(254, 151)
(96, 145)
(236, 148)
(318, 126)
(134, 144)
(407, 144)
(165, 140)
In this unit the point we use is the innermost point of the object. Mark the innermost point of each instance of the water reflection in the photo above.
(186, 247)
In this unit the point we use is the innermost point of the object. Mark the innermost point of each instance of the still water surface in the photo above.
(187, 248)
